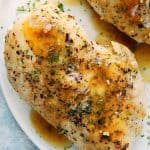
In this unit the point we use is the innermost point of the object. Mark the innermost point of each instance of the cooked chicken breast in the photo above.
(91, 93)
(130, 16)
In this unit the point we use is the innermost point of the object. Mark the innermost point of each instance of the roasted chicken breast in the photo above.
(130, 16)
(91, 93)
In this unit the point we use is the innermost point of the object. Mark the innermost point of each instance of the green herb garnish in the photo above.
(61, 6)
(46, 2)
(142, 135)
(33, 76)
(33, 6)
(68, 147)
(148, 137)
(53, 58)
(21, 8)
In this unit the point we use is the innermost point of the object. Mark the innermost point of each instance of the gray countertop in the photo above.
(11, 135)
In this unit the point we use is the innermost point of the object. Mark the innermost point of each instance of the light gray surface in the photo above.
(11, 136)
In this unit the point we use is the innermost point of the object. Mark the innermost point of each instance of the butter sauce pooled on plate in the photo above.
(142, 55)
(107, 32)
(48, 132)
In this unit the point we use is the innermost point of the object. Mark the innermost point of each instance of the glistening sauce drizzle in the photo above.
(107, 32)
(73, 2)
(47, 132)
(142, 55)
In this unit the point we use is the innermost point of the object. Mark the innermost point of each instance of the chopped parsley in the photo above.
(53, 58)
(26, 51)
(52, 71)
(148, 123)
(33, 6)
(148, 137)
(68, 147)
(142, 135)
(62, 130)
(61, 6)
(46, 2)
(33, 76)
(21, 8)
(29, 6)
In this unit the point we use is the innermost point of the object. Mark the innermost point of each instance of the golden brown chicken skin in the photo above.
(91, 93)
(130, 16)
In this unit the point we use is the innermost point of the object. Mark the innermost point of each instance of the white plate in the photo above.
(19, 109)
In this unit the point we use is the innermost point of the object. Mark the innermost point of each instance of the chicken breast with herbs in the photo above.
(91, 93)
(130, 16)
